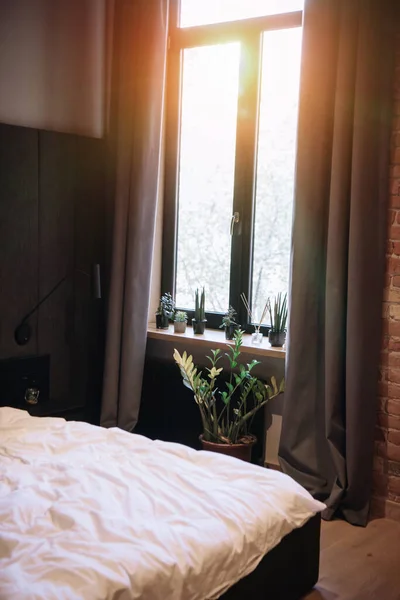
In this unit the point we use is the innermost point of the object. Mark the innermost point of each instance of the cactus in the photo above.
(278, 313)
(199, 310)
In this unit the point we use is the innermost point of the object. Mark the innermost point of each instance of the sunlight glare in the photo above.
(202, 12)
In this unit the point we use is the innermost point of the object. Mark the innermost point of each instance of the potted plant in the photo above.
(180, 320)
(165, 311)
(199, 321)
(227, 408)
(229, 323)
(278, 314)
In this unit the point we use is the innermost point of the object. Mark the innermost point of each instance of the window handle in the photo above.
(235, 218)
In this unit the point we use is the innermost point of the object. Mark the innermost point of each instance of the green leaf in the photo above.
(237, 378)
(229, 386)
(253, 363)
(230, 359)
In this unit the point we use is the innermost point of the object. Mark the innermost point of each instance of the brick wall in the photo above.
(386, 476)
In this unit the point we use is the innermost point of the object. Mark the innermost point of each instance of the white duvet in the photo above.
(92, 513)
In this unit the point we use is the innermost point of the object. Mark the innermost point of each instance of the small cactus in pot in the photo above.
(199, 321)
(278, 314)
(180, 320)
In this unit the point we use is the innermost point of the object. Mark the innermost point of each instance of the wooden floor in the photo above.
(359, 563)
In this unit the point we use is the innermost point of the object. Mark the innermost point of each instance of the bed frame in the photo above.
(288, 572)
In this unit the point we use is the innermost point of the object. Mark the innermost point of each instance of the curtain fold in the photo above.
(138, 64)
(338, 249)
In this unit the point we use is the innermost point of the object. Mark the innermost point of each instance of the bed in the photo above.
(94, 513)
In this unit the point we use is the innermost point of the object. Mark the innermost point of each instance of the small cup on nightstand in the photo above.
(32, 395)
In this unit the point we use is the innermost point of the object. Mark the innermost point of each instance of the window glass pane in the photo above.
(203, 12)
(275, 164)
(206, 173)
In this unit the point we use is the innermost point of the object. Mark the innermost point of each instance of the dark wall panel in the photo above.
(52, 226)
(18, 234)
(57, 187)
(88, 342)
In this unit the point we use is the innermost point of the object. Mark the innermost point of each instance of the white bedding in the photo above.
(92, 513)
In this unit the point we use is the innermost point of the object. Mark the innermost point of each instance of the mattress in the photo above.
(94, 513)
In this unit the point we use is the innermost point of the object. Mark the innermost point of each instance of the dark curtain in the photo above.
(338, 243)
(139, 45)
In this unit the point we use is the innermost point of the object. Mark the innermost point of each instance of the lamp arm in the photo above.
(35, 308)
(22, 333)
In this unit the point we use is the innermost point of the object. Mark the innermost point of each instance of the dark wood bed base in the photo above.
(288, 572)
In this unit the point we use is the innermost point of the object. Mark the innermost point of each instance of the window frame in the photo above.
(248, 32)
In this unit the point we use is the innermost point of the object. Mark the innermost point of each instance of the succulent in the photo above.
(229, 318)
(278, 313)
(166, 306)
(199, 310)
(180, 316)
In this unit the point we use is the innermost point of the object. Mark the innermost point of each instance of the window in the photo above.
(206, 176)
(232, 103)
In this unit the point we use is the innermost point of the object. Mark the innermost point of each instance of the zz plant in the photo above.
(227, 408)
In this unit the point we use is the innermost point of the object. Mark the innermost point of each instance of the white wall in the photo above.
(52, 64)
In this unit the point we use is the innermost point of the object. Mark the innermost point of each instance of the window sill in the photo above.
(215, 338)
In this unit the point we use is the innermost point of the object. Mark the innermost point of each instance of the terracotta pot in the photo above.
(179, 326)
(241, 451)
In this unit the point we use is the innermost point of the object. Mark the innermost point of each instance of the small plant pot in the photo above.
(162, 322)
(179, 327)
(241, 451)
(277, 338)
(230, 331)
(199, 326)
